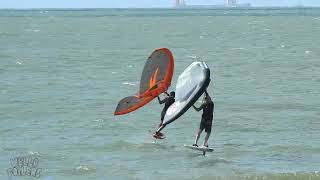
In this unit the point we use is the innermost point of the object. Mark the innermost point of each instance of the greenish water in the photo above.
(62, 73)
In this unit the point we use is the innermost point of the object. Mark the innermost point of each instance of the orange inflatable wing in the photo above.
(157, 73)
(155, 79)
(131, 103)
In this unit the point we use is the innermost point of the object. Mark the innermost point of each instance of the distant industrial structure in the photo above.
(180, 3)
(227, 3)
(231, 3)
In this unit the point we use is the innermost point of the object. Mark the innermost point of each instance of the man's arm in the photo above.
(162, 101)
(199, 108)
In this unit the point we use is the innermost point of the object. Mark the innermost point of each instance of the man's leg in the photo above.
(162, 117)
(160, 129)
(208, 127)
(206, 139)
(198, 136)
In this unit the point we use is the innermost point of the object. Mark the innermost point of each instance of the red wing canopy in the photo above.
(131, 103)
(157, 73)
(155, 79)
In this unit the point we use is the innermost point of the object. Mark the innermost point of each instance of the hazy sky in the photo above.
(138, 3)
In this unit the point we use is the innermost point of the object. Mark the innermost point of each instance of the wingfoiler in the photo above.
(191, 84)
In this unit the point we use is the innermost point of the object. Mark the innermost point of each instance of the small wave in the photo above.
(311, 175)
(152, 146)
(33, 153)
(84, 170)
(120, 145)
(254, 22)
(19, 61)
(194, 57)
(239, 48)
(232, 145)
(277, 176)
(212, 162)
(80, 170)
(129, 84)
(146, 146)
(97, 120)
(33, 30)
(249, 129)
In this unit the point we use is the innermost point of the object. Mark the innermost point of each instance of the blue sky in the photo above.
(138, 3)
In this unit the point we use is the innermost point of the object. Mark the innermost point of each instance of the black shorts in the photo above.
(206, 123)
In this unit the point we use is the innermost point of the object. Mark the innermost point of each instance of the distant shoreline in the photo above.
(167, 8)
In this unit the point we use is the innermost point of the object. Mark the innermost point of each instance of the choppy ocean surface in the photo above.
(62, 73)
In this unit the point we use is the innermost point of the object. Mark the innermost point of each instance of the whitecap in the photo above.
(18, 62)
(32, 30)
(308, 52)
(129, 83)
(33, 153)
(82, 168)
(239, 48)
(97, 120)
(194, 57)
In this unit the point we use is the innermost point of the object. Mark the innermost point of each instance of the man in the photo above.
(206, 120)
(168, 102)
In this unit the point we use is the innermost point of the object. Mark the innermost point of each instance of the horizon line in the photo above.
(182, 8)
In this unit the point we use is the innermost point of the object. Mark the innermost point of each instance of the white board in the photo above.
(202, 149)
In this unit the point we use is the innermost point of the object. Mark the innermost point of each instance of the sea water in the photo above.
(62, 73)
